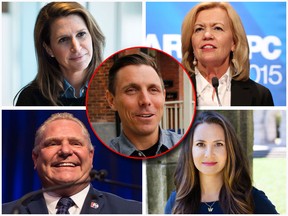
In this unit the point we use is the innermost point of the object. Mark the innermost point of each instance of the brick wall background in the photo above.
(98, 109)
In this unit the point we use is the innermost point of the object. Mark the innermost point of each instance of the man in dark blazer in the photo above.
(247, 93)
(63, 154)
(96, 202)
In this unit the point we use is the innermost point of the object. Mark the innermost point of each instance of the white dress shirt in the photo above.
(52, 199)
(205, 91)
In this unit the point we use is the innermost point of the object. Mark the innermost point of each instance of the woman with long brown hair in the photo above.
(69, 46)
(213, 175)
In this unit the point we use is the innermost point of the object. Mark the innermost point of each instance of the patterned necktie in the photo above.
(64, 204)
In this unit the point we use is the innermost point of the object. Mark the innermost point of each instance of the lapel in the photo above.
(241, 94)
(93, 203)
(37, 205)
(193, 79)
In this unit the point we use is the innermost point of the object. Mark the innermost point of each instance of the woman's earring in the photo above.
(235, 65)
(195, 61)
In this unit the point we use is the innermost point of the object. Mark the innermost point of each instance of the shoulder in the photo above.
(170, 203)
(114, 143)
(170, 137)
(250, 84)
(262, 204)
(255, 93)
(31, 95)
(7, 208)
(262, 92)
(122, 145)
(114, 204)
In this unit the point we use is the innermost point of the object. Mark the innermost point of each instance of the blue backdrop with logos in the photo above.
(265, 26)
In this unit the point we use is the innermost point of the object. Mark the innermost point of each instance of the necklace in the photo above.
(210, 209)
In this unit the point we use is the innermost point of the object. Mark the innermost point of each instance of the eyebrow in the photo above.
(213, 24)
(65, 35)
(201, 140)
(135, 85)
(59, 139)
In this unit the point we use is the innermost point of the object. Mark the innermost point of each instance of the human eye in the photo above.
(131, 91)
(50, 143)
(218, 28)
(219, 144)
(81, 34)
(200, 144)
(198, 29)
(63, 40)
(75, 143)
(155, 90)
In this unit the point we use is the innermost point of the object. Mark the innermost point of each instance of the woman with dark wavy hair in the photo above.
(69, 46)
(213, 175)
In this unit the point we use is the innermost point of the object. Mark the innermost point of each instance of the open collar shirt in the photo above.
(70, 92)
(167, 139)
(205, 91)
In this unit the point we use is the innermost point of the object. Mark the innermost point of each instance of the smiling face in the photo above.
(209, 149)
(212, 39)
(63, 154)
(70, 44)
(139, 99)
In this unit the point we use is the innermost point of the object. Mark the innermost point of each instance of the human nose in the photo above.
(144, 99)
(75, 45)
(65, 149)
(209, 152)
(208, 34)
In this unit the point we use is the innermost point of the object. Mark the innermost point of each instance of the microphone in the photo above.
(215, 84)
(94, 174)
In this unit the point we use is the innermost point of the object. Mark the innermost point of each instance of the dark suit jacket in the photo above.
(247, 93)
(96, 202)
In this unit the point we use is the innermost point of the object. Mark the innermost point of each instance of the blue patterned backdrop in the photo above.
(265, 25)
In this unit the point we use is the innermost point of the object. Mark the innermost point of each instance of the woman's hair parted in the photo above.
(49, 77)
(240, 66)
(236, 193)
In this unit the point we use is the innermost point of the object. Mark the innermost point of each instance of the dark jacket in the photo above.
(247, 93)
(31, 95)
(262, 205)
(96, 202)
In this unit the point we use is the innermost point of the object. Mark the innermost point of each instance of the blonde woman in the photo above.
(214, 44)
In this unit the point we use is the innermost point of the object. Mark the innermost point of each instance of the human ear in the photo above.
(48, 50)
(34, 157)
(110, 100)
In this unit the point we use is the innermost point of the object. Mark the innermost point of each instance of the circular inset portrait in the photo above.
(140, 102)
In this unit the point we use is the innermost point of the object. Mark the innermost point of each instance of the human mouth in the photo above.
(208, 46)
(64, 164)
(209, 163)
(144, 115)
(78, 57)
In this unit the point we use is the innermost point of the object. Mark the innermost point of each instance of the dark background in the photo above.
(18, 175)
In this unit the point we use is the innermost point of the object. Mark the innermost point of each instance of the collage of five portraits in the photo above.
(144, 107)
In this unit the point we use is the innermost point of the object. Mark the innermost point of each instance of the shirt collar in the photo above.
(70, 92)
(202, 83)
(165, 139)
(52, 199)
